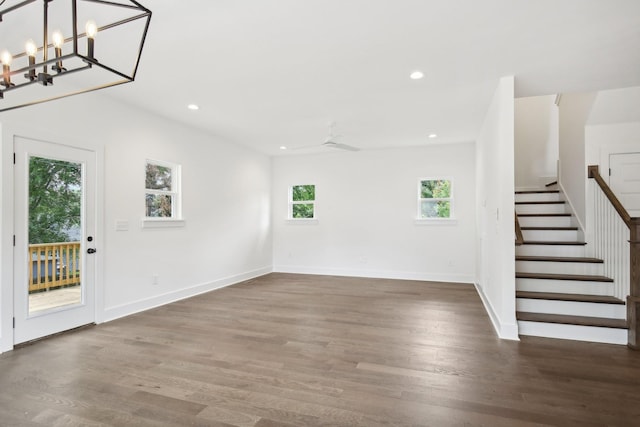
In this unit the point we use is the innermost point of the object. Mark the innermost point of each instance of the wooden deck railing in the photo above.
(617, 237)
(53, 265)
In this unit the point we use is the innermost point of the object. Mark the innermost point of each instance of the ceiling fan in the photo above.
(330, 142)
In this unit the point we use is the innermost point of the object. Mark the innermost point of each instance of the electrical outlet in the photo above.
(155, 280)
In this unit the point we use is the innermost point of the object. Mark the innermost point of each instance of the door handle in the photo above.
(91, 251)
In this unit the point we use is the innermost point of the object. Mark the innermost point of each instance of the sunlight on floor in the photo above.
(56, 298)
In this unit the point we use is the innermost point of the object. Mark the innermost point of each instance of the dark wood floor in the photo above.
(312, 350)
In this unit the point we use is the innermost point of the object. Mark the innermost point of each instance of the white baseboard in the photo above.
(112, 313)
(505, 331)
(376, 274)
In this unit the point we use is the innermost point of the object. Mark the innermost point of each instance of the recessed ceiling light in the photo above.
(282, 147)
(433, 135)
(417, 75)
(193, 107)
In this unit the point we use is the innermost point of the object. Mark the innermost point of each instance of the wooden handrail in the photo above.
(519, 237)
(594, 173)
(633, 299)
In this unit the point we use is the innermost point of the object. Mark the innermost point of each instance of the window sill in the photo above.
(436, 221)
(162, 223)
(302, 221)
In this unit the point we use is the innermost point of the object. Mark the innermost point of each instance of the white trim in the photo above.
(563, 195)
(127, 309)
(450, 199)
(505, 331)
(376, 274)
(291, 202)
(175, 192)
(7, 135)
(162, 223)
(301, 221)
(606, 150)
(99, 232)
(6, 241)
(435, 221)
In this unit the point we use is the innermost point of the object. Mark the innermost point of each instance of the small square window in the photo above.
(435, 198)
(302, 202)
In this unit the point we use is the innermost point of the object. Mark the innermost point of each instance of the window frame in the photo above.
(451, 199)
(292, 202)
(175, 220)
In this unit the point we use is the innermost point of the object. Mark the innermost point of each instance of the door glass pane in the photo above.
(55, 232)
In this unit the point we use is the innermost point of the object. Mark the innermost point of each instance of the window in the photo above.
(302, 202)
(435, 199)
(162, 190)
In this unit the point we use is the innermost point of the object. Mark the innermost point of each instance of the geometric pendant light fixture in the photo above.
(51, 49)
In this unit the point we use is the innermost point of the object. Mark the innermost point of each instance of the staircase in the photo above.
(561, 293)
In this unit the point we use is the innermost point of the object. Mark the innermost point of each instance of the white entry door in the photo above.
(624, 180)
(54, 265)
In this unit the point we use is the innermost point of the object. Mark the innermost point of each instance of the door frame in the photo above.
(7, 220)
(604, 151)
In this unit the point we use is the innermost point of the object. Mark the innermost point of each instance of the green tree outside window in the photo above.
(159, 197)
(435, 198)
(55, 197)
(303, 201)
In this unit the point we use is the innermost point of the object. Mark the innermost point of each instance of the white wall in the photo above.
(603, 140)
(593, 125)
(226, 204)
(616, 106)
(613, 127)
(495, 249)
(574, 113)
(536, 141)
(366, 208)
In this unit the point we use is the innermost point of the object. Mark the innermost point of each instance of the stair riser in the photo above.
(562, 235)
(545, 221)
(551, 250)
(582, 268)
(538, 197)
(573, 332)
(565, 286)
(573, 308)
(544, 208)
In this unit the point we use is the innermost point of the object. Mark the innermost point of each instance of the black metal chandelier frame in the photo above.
(49, 68)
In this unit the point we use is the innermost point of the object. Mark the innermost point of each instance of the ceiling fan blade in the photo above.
(342, 146)
(304, 147)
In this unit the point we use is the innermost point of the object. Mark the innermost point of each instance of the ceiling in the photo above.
(271, 73)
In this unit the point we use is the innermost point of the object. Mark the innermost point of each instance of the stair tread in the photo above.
(555, 276)
(542, 202)
(553, 242)
(558, 259)
(538, 192)
(550, 228)
(605, 299)
(572, 320)
(543, 214)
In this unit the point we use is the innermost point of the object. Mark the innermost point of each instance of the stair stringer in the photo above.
(576, 219)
